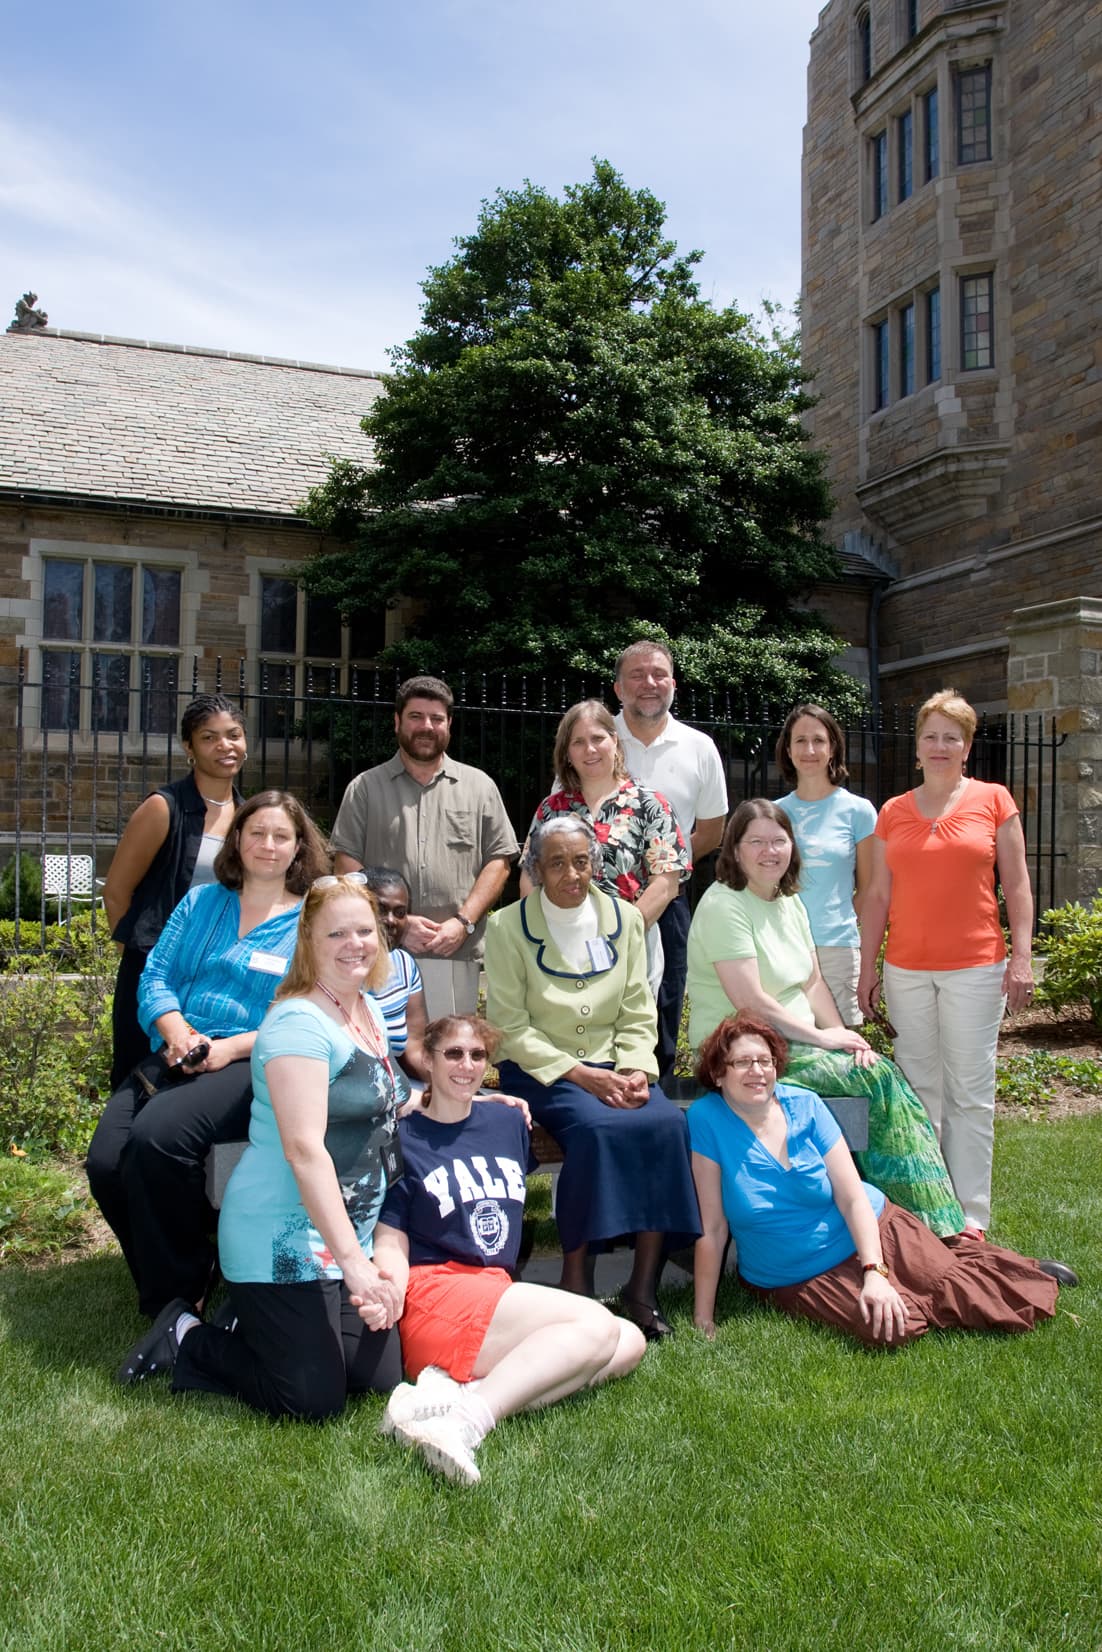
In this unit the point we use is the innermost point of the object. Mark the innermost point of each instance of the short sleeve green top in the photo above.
(732, 924)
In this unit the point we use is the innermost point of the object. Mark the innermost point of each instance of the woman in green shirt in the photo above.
(750, 948)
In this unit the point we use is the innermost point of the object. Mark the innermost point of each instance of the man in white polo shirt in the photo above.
(685, 767)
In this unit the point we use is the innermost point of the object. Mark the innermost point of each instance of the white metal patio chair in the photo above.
(69, 879)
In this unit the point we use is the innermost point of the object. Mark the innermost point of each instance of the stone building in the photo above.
(149, 536)
(952, 319)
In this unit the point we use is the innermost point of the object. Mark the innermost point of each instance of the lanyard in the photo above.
(354, 1027)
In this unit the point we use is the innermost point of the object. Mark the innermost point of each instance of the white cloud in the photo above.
(286, 194)
(102, 259)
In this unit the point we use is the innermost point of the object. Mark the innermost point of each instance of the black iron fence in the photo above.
(69, 790)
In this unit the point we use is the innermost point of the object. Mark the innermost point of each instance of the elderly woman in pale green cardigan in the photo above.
(567, 985)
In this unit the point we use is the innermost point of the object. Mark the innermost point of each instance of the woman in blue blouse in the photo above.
(772, 1169)
(202, 996)
(312, 1315)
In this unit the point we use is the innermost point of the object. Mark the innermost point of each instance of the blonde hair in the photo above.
(565, 772)
(948, 703)
(302, 975)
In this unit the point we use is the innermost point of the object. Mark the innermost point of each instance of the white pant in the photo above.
(450, 985)
(840, 967)
(947, 1032)
(656, 960)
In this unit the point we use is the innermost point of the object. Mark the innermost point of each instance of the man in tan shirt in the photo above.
(443, 825)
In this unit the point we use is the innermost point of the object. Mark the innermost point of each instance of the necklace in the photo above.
(370, 1038)
(946, 806)
(216, 802)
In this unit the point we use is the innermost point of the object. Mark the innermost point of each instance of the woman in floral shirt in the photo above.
(645, 858)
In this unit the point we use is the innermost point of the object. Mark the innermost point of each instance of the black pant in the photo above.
(129, 1044)
(297, 1351)
(673, 926)
(146, 1172)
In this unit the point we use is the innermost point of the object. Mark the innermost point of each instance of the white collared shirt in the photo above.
(684, 766)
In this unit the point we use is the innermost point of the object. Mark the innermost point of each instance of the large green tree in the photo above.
(575, 448)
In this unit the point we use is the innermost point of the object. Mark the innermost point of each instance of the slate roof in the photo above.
(100, 418)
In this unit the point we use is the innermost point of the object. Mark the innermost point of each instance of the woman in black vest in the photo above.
(169, 847)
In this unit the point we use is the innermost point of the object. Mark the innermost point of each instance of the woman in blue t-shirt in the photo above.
(312, 1313)
(479, 1346)
(834, 833)
(772, 1169)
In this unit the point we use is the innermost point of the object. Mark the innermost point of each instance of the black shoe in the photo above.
(224, 1317)
(155, 1353)
(650, 1321)
(1058, 1270)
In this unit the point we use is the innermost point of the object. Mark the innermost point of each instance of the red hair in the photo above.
(715, 1052)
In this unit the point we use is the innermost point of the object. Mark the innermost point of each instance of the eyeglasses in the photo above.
(743, 1063)
(456, 1052)
(331, 882)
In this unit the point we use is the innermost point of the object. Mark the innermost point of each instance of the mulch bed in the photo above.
(1068, 1032)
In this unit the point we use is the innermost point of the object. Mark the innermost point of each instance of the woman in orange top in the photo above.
(947, 976)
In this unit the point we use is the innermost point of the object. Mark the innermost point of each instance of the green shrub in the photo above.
(55, 1057)
(80, 947)
(42, 1209)
(1073, 962)
(30, 888)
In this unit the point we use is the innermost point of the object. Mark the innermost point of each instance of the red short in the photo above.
(449, 1306)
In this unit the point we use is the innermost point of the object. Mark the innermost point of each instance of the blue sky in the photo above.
(256, 175)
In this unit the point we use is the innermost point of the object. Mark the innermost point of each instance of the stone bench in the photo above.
(851, 1112)
(224, 1155)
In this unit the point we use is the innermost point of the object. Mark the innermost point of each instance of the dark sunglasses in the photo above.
(879, 1019)
(455, 1052)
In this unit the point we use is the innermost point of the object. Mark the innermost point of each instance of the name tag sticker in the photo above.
(600, 953)
(268, 963)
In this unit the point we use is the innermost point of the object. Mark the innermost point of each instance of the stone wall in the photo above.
(1055, 667)
(75, 786)
(985, 487)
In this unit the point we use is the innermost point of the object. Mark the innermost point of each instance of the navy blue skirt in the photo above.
(625, 1170)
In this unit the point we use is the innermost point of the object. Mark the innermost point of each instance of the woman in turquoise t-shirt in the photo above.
(834, 832)
(313, 1316)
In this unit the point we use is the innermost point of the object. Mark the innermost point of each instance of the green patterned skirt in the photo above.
(903, 1158)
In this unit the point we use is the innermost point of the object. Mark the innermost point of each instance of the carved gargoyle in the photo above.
(27, 318)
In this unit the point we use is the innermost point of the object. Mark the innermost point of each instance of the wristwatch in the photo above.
(875, 1267)
(466, 922)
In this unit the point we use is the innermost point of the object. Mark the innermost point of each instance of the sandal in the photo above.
(650, 1320)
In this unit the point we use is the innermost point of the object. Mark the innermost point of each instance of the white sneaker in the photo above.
(448, 1444)
(432, 1377)
(408, 1405)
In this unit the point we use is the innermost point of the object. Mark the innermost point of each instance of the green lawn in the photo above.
(778, 1490)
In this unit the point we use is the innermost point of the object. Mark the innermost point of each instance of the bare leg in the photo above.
(578, 1271)
(543, 1344)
